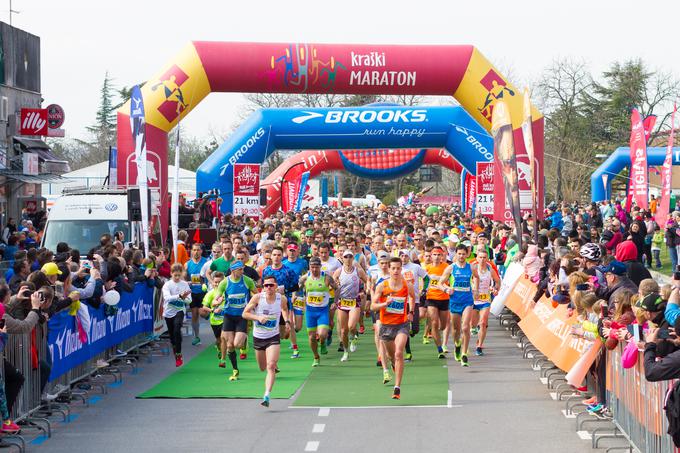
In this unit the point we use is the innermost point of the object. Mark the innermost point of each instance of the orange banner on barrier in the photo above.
(548, 328)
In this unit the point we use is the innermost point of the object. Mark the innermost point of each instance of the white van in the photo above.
(80, 216)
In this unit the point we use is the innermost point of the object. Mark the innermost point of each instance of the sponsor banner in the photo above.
(639, 177)
(134, 316)
(470, 192)
(485, 188)
(33, 122)
(246, 179)
(302, 189)
(662, 208)
(548, 328)
(290, 186)
(512, 275)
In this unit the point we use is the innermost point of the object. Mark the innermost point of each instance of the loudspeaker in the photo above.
(134, 205)
(263, 197)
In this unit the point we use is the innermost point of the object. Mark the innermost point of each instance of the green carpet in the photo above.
(358, 382)
(202, 378)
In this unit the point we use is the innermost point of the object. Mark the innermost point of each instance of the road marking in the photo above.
(584, 435)
(325, 410)
(553, 395)
(544, 380)
(312, 445)
(449, 401)
(570, 415)
(318, 427)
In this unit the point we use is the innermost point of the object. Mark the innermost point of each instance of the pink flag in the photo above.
(662, 208)
(639, 178)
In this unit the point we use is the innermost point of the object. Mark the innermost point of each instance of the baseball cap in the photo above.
(615, 267)
(309, 233)
(403, 252)
(652, 302)
(292, 246)
(315, 260)
(247, 231)
(236, 265)
(389, 231)
(383, 255)
(347, 252)
(482, 235)
(50, 269)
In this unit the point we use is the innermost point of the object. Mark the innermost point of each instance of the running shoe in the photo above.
(464, 360)
(341, 348)
(178, 360)
(378, 363)
(457, 352)
(353, 345)
(441, 355)
(396, 394)
(277, 371)
(222, 364)
(219, 353)
(323, 349)
(329, 339)
(426, 340)
(386, 377)
(345, 357)
(9, 427)
(479, 351)
(474, 331)
(265, 401)
(362, 329)
(244, 353)
(296, 354)
(445, 349)
(595, 408)
(234, 376)
(196, 341)
(408, 357)
(316, 362)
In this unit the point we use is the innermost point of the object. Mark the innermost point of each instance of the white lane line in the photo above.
(312, 445)
(570, 415)
(449, 401)
(584, 435)
(327, 409)
(318, 427)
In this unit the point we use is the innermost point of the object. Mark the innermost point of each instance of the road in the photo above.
(497, 405)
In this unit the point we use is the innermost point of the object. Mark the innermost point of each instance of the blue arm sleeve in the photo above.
(672, 312)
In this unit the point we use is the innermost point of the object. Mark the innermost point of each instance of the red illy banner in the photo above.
(33, 122)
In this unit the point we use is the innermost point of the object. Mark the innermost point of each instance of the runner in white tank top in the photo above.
(266, 310)
(485, 285)
(349, 278)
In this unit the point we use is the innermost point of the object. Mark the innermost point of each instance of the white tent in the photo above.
(94, 175)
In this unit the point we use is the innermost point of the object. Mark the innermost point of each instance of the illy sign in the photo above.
(33, 122)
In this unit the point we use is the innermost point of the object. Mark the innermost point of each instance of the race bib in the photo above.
(178, 303)
(433, 282)
(484, 297)
(270, 324)
(237, 300)
(196, 279)
(298, 303)
(409, 276)
(348, 303)
(462, 286)
(316, 299)
(396, 305)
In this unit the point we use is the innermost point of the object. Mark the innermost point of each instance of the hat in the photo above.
(615, 267)
(309, 233)
(247, 231)
(482, 235)
(388, 231)
(315, 260)
(652, 302)
(292, 246)
(403, 252)
(383, 255)
(50, 269)
(561, 298)
(455, 231)
(347, 252)
(236, 265)
(311, 218)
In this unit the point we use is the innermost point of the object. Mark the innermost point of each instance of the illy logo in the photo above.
(33, 122)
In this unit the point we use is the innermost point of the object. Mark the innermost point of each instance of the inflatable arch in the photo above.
(372, 127)
(367, 163)
(601, 179)
(203, 67)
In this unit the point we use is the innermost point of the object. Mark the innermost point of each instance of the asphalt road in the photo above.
(497, 405)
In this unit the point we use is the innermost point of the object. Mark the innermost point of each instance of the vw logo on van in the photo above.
(111, 206)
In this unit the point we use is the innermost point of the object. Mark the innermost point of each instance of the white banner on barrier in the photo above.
(512, 275)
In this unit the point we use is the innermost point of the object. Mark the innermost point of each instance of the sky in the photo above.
(83, 39)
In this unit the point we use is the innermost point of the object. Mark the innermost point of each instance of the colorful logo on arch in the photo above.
(496, 88)
(171, 85)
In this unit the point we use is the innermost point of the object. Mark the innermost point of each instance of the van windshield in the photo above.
(82, 234)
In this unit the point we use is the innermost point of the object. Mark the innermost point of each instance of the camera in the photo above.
(676, 274)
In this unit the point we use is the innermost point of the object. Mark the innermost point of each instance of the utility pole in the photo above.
(11, 11)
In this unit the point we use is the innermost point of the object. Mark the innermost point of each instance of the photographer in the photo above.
(657, 366)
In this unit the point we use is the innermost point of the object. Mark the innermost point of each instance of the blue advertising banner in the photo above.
(303, 188)
(134, 316)
(324, 191)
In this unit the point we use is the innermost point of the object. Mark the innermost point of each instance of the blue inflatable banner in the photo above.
(134, 316)
(303, 188)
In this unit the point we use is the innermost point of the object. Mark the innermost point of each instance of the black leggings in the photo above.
(14, 380)
(175, 330)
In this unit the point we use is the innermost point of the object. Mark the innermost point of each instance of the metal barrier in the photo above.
(637, 405)
(26, 353)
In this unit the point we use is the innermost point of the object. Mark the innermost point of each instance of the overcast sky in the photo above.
(82, 39)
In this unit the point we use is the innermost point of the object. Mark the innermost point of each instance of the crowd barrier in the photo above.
(72, 354)
(636, 405)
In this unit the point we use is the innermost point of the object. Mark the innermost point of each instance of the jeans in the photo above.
(657, 257)
(175, 330)
(673, 252)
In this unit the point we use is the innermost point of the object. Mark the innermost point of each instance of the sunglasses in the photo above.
(269, 285)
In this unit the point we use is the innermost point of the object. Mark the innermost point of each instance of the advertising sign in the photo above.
(485, 185)
(247, 190)
(33, 122)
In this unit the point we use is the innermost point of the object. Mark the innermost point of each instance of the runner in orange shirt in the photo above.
(437, 301)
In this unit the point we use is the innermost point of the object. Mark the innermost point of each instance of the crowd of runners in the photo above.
(328, 276)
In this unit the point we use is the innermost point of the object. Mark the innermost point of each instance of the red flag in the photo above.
(197, 237)
(662, 208)
(648, 124)
(639, 180)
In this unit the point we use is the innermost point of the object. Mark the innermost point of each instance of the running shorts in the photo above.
(261, 344)
(317, 317)
(196, 300)
(234, 324)
(217, 330)
(388, 332)
(482, 306)
(441, 305)
(458, 309)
